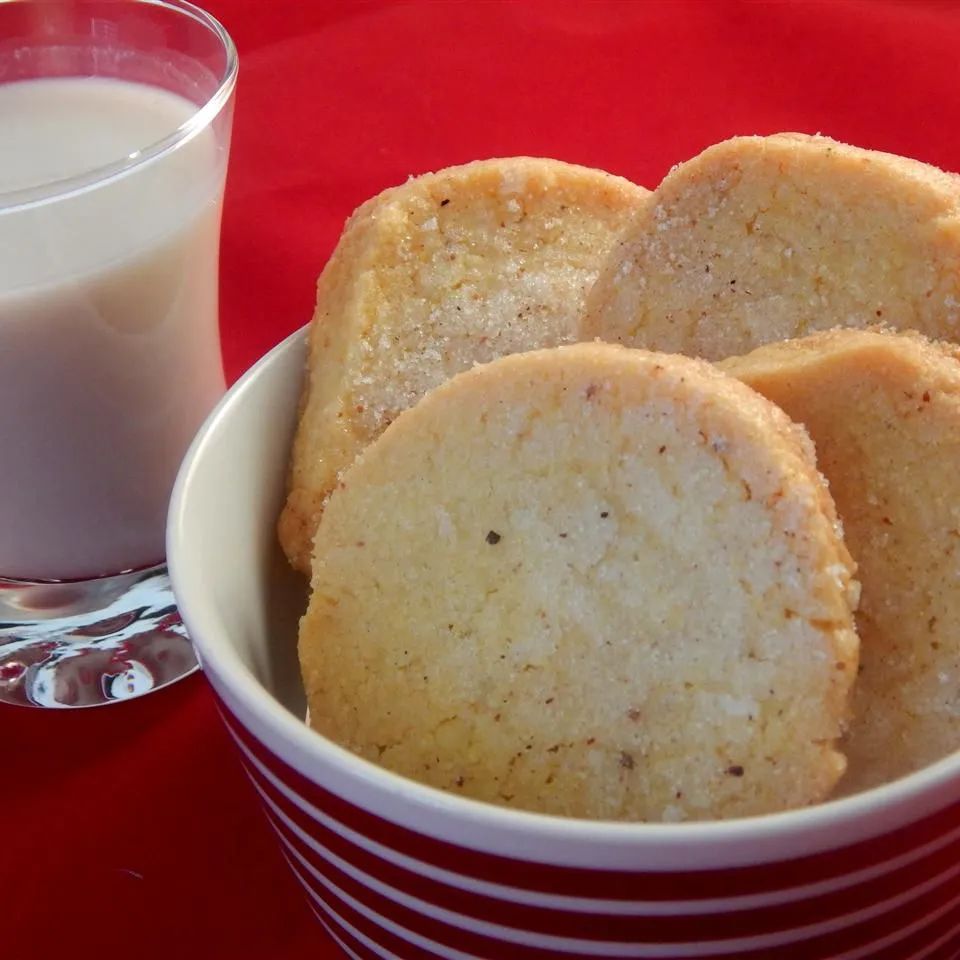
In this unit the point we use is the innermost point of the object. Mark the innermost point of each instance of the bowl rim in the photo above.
(282, 727)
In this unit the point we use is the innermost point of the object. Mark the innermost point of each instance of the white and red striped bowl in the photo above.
(394, 869)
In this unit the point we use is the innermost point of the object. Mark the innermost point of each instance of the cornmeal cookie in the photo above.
(884, 412)
(450, 269)
(760, 239)
(589, 581)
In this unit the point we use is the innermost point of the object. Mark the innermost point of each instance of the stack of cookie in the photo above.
(614, 579)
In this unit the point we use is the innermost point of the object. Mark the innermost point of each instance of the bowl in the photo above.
(395, 869)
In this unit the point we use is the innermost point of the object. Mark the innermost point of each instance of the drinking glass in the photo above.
(115, 120)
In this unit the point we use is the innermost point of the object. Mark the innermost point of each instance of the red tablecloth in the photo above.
(130, 830)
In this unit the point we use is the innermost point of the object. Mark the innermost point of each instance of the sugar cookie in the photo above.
(589, 581)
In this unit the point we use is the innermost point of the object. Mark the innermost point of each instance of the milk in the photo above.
(109, 347)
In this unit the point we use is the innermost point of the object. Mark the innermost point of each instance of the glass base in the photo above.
(88, 643)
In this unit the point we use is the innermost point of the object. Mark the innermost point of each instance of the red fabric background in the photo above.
(131, 830)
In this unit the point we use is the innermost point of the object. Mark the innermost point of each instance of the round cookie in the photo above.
(884, 412)
(760, 239)
(450, 269)
(589, 581)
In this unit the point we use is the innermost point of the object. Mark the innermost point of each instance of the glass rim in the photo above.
(198, 121)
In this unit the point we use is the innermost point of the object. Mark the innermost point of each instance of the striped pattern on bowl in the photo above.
(385, 891)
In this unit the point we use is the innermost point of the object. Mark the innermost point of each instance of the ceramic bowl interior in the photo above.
(266, 597)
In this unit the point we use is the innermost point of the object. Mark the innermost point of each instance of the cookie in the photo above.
(760, 239)
(589, 581)
(884, 412)
(452, 268)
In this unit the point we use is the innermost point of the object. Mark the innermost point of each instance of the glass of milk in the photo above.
(115, 121)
